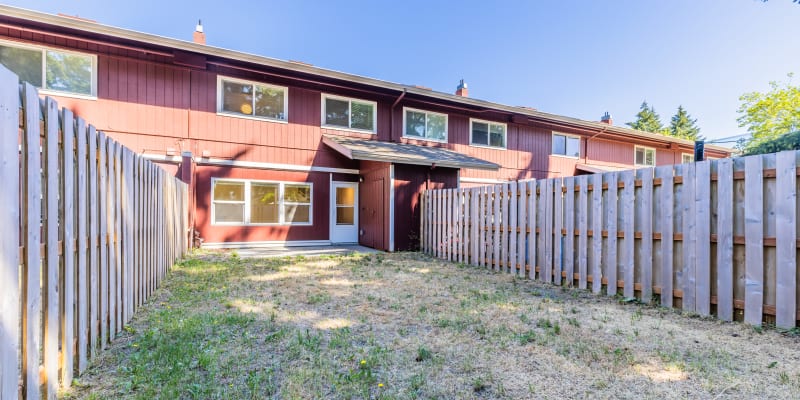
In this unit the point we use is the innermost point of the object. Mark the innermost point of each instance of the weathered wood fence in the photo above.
(714, 237)
(89, 229)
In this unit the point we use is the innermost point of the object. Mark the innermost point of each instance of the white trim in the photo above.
(269, 243)
(566, 136)
(637, 147)
(273, 166)
(426, 138)
(333, 209)
(221, 111)
(489, 134)
(281, 203)
(391, 207)
(349, 101)
(480, 180)
(43, 89)
(165, 158)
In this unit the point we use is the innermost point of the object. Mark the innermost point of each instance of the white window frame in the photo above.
(349, 101)
(426, 138)
(683, 158)
(567, 136)
(281, 203)
(221, 111)
(489, 134)
(44, 49)
(645, 148)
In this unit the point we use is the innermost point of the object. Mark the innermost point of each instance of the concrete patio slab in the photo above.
(306, 251)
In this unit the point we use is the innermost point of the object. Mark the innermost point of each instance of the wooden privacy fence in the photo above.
(715, 236)
(89, 229)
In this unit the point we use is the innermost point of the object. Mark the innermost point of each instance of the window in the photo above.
(53, 70)
(341, 112)
(424, 125)
(253, 99)
(485, 133)
(566, 145)
(687, 158)
(644, 156)
(256, 203)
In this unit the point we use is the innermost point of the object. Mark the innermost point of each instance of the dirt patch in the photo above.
(407, 326)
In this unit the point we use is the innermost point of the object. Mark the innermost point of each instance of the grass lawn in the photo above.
(408, 326)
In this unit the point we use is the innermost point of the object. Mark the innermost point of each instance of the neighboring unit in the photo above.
(282, 152)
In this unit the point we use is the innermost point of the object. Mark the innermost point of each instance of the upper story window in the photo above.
(566, 145)
(644, 156)
(346, 113)
(252, 99)
(424, 125)
(240, 202)
(486, 133)
(687, 158)
(53, 70)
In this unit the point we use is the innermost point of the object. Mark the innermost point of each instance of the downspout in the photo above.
(391, 115)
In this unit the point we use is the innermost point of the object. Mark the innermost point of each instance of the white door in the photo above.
(344, 212)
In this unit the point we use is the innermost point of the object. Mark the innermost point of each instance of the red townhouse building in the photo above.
(282, 152)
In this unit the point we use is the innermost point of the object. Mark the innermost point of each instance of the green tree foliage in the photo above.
(647, 120)
(787, 141)
(769, 115)
(683, 126)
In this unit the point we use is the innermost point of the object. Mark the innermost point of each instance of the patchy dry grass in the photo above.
(410, 327)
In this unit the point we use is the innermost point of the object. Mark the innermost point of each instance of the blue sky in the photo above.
(575, 58)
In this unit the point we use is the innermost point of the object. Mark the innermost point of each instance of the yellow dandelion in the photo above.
(363, 362)
(380, 385)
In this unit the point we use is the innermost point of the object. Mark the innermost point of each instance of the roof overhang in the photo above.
(403, 153)
(598, 168)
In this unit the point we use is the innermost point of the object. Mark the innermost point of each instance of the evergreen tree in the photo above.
(683, 126)
(647, 120)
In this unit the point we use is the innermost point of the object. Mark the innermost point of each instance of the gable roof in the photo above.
(87, 26)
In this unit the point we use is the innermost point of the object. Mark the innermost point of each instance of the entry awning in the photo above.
(595, 168)
(403, 153)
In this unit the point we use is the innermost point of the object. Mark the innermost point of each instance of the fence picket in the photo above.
(496, 225)
(558, 222)
(31, 279)
(667, 200)
(583, 227)
(51, 276)
(512, 228)
(102, 172)
(522, 235)
(68, 235)
(597, 232)
(702, 237)
(688, 272)
(628, 212)
(786, 241)
(610, 255)
(9, 246)
(474, 196)
(754, 245)
(569, 237)
(532, 237)
(646, 223)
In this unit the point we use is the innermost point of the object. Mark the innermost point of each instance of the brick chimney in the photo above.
(461, 90)
(606, 119)
(199, 37)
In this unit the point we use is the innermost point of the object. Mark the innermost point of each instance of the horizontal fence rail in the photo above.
(89, 229)
(717, 237)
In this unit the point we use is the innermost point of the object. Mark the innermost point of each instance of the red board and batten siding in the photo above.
(409, 182)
